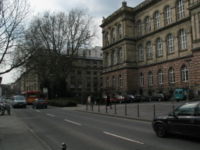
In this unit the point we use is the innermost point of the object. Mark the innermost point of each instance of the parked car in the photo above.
(141, 98)
(117, 99)
(130, 98)
(40, 103)
(157, 97)
(184, 120)
(180, 94)
(18, 101)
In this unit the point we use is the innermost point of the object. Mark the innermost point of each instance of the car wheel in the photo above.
(161, 130)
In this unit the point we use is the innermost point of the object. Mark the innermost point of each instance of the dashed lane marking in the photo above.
(50, 115)
(123, 138)
(73, 122)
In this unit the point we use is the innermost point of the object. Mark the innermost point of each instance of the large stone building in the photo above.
(153, 47)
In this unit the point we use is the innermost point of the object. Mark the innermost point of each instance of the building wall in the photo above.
(136, 32)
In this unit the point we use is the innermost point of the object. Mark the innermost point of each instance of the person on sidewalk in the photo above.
(108, 102)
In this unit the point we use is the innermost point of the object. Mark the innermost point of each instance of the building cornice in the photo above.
(149, 65)
(119, 41)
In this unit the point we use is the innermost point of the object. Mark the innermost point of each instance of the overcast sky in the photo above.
(95, 8)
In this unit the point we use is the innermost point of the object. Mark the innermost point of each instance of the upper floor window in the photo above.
(180, 9)
(150, 78)
(113, 81)
(112, 58)
(170, 43)
(184, 73)
(106, 38)
(159, 47)
(167, 15)
(157, 20)
(140, 53)
(160, 77)
(120, 81)
(182, 39)
(139, 28)
(113, 35)
(119, 31)
(119, 55)
(107, 82)
(149, 50)
(115, 56)
(171, 75)
(147, 24)
(141, 79)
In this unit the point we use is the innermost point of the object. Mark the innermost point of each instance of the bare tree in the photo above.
(12, 15)
(57, 39)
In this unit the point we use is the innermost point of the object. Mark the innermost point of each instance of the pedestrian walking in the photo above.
(108, 102)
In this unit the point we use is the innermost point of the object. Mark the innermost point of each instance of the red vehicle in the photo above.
(31, 96)
(117, 99)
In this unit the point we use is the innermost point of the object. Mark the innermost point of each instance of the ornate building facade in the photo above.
(153, 47)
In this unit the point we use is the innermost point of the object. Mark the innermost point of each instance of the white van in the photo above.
(19, 101)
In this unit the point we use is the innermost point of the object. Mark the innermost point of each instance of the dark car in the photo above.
(157, 97)
(40, 103)
(184, 120)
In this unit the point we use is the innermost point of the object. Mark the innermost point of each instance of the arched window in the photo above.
(140, 52)
(119, 31)
(171, 75)
(147, 24)
(115, 56)
(170, 43)
(149, 50)
(182, 39)
(119, 55)
(180, 9)
(112, 58)
(160, 77)
(156, 20)
(184, 73)
(106, 59)
(167, 15)
(107, 82)
(113, 35)
(141, 79)
(106, 39)
(139, 28)
(113, 82)
(150, 78)
(159, 47)
(120, 81)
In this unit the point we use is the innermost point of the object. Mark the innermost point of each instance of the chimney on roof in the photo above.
(124, 4)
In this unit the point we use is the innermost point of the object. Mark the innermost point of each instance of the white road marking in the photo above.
(123, 138)
(73, 122)
(37, 110)
(50, 115)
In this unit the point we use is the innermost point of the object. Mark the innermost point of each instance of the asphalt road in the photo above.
(47, 128)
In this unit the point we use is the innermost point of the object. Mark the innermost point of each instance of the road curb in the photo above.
(115, 116)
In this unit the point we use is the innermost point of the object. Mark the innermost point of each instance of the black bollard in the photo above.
(64, 146)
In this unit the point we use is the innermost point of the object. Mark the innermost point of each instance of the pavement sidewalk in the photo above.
(15, 135)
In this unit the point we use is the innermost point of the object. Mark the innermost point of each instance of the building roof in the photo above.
(125, 8)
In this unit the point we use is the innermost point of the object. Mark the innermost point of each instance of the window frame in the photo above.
(159, 47)
(184, 73)
(170, 43)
